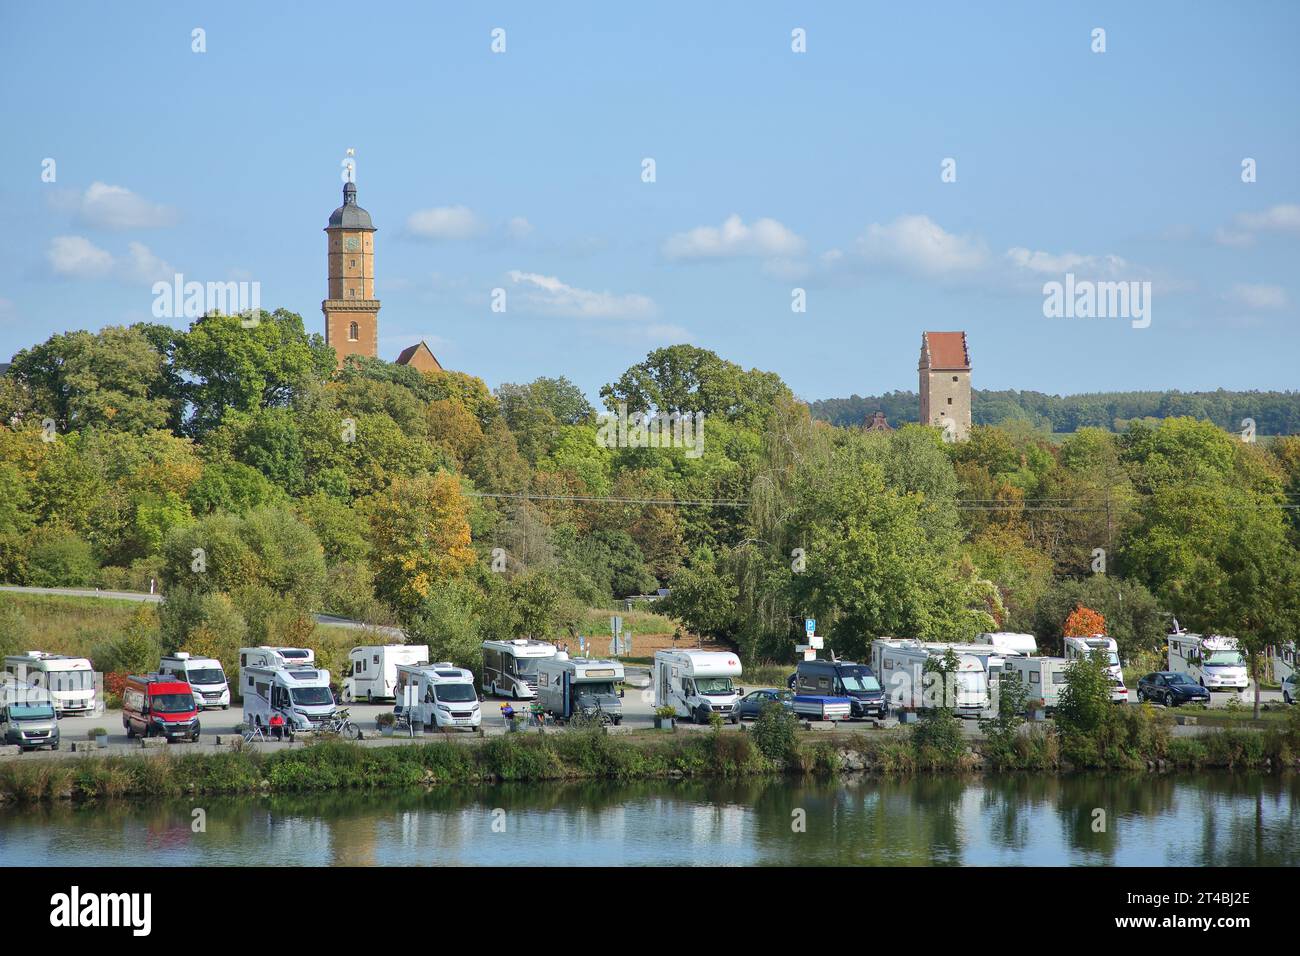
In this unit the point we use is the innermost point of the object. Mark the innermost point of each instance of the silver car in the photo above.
(1290, 690)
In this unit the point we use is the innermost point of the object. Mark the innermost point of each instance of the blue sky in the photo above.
(774, 170)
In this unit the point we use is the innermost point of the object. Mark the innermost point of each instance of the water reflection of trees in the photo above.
(1207, 820)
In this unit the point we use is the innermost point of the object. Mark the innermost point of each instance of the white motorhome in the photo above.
(1042, 677)
(696, 684)
(372, 670)
(1213, 661)
(900, 666)
(510, 667)
(1283, 658)
(571, 687)
(1085, 647)
(70, 680)
(267, 656)
(204, 674)
(1010, 644)
(301, 695)
(444, 695)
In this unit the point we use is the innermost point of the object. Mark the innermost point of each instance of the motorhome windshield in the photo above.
(34, 712)
(171, 703)
(972, 682)
(606, 687)
(713, 685)
(455, 693)
(856, 679)
(526, 665)
(1224, 659)
(311, 696)
(206, 676)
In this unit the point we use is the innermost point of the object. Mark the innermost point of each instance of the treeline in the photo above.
(1274, 413)
(233, 464)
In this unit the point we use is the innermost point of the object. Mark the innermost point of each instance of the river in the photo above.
(1211, 819)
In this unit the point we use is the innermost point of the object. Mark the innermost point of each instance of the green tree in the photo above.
(233, 366)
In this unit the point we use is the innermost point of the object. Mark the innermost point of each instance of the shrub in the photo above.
(776, 735)
(937, 739)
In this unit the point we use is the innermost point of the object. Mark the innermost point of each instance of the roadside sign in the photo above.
(810, 625)
(810, 654)
(815, 642)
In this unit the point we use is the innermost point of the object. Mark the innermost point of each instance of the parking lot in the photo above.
(638, 714)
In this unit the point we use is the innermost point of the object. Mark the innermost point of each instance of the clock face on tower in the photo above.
(351, 243)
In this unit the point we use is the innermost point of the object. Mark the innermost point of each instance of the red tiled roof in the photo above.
(946, 350)
(408, 352)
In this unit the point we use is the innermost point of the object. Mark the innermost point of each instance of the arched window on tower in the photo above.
(354, 332)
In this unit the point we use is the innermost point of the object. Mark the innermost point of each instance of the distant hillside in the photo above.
(1275, 413)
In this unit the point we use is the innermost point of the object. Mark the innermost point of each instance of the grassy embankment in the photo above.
(1140, 740)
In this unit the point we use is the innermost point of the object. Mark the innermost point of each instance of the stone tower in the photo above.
(945, 383)
(351, 311)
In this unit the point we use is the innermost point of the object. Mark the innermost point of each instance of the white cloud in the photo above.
(76, 257)
(1047, 263)
(519, 228)
(1259, 297)
(1283, 218)
(918, 244)
(444, 222)
(118, 208)
(143, 265)
(549, 295)
(766, 238)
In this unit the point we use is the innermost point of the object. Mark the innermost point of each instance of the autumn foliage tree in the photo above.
(419, 533)
(1084, 622)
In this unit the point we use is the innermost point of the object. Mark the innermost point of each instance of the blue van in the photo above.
(842, 679)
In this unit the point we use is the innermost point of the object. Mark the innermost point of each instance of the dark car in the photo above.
(749, 706)
(1171, 689)
(843, 679)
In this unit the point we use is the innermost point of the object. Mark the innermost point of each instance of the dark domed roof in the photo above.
(350, 215)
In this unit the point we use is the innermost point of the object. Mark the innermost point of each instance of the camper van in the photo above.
(27, 718)
(510, 667)
(160, 705)
(696, 684)
(900, 665)
(204, 674)
(1283, 658)
(372, 670)
(570, 687)
(267, 656)
(1009, 644)
(840, 680)
(70, 680)
(1213, 661)
(1042, 677)
(301, 695)
(1083, 647)
(445, 695)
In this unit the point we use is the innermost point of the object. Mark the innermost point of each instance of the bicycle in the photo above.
(341, 723)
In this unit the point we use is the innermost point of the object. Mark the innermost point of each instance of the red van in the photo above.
(158, 705)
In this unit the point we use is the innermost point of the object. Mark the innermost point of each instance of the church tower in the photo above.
(945, 383)
(351, 311)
